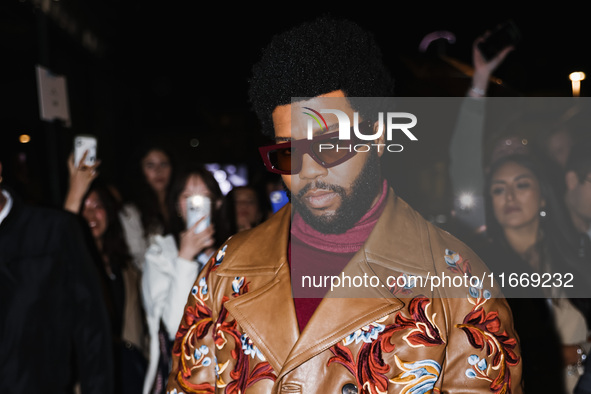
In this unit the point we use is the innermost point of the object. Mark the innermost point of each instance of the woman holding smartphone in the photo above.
(95, 202)
(145, 212)
(172, 263)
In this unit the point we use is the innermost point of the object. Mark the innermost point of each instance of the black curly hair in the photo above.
(315, 58)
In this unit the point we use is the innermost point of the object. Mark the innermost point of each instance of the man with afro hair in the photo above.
(316, 298)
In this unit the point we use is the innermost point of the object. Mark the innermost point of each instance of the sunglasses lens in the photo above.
(281, 158)
(326, 150)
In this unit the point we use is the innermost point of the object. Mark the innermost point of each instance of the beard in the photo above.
(353, 206)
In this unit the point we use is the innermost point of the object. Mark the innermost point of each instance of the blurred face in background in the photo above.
(516, 196)
(194, 186)
(559, 146)
(157, 170)
(578, 198)
(247, 207)
(95, 214)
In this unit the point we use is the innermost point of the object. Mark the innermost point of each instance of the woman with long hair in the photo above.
(95, 202)
(173, 262)
(528, 232)
(147, 187)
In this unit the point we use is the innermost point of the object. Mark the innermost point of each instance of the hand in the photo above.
(81, 177)
(192, 244)
(483, 68)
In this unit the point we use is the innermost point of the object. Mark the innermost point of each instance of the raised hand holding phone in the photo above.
(199, 233)
(81, 176)
(85, 147)
(198, 207)
(504, 35)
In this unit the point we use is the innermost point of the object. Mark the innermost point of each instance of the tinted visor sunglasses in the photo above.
(325, 149)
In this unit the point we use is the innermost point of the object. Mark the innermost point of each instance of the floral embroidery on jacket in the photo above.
(366, 334)
(219, 257)
(423, 331)
(250, 349)
(419, 377)
(197, 322)
(483, 331)
(402, 285)
(369, 368)
(479, 366)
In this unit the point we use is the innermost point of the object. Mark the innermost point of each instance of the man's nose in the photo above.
(310, 168)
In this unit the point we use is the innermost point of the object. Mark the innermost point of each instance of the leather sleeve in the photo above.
(193, 356)
(482, 349)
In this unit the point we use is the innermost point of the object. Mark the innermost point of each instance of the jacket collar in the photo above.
(267, 313)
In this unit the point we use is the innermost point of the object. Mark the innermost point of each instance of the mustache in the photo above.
(321, 185)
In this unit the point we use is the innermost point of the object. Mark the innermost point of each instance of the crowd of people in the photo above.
(148, 255)
(124, 275)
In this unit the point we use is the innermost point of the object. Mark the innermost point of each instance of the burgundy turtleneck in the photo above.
(318, 255)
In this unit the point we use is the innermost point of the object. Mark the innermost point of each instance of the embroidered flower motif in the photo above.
(418, 377)
(423, 330)
(403, 284)
(479, 366)
(237, 284)
(200, 356)
(483, 331)
(198, 322)
(369, 367)
(250, 349)
(242, 377)
(456, 263)
(366, 334)
(219, 257)
(451, 257)
(200, 290)
(478, 290)
(219, 369)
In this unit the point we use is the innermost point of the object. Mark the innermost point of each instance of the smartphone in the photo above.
(278, 199)
(502, 36)
(198, 206)
(83, 143)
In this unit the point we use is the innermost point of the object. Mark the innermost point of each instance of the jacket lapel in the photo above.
(397, 241)
(266, 313)
(337, 317)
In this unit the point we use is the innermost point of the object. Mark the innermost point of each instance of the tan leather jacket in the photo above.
(239, 333)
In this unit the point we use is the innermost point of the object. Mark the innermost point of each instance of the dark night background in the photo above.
(174, 71)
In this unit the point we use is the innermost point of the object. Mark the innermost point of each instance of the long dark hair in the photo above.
(139, 193)
(114, 245)
(222, 226)
(559, 241)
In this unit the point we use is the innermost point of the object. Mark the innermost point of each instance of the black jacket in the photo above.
(54, 327)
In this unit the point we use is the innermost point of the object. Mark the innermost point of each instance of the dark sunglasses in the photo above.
(286, 158)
